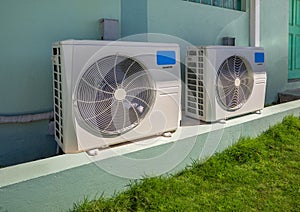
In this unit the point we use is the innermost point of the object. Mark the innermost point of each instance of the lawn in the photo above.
(260, 174)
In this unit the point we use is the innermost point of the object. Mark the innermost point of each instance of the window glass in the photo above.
(238, 5)
(229, 4)
(217, 3)
(206, 2)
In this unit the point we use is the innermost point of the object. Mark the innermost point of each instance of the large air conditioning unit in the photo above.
(224, 81)
(107, 93)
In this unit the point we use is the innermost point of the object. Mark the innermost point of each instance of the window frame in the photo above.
(237, 5)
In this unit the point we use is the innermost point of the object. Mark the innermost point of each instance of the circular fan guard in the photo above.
(114, 95)
(234, 83)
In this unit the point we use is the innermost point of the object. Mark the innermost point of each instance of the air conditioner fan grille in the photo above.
(114, 95)
(234, 83)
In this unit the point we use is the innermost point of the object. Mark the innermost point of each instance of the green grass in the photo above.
(261, 174)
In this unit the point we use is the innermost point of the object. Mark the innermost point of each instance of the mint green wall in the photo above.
(194, 23)
(206, 25)
(274, 38)
(28, 28)
(20, 143)
(134, 16)
(197, 23)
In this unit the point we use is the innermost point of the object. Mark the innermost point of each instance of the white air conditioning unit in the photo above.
(224, 81)
(107, 93)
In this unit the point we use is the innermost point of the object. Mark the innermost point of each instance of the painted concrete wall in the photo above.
(206, 25)
(28, 28)
(20, 143)
(185, 23)
(134, 15)
(197, 23)
(274, 38)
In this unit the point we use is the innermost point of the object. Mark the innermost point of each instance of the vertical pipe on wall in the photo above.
(255, 23)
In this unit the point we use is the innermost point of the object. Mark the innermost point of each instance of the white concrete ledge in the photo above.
(23, 172)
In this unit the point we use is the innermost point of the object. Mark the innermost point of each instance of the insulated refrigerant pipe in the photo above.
(26, 118)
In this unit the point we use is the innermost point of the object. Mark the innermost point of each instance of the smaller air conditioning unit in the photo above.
(107, 93)
(224, 81)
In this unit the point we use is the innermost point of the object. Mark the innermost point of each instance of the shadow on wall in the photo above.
(22, 143)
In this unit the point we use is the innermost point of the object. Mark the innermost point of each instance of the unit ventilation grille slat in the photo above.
(194, 81)
(57, 90)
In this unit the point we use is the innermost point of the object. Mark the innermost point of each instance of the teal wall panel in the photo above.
(197, 23)
(134, 15)
(28, 28)
(20, 143)
(275, 38)
(297, 52)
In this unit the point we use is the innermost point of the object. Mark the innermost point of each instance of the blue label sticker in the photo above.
(259, 57)
(166, 58)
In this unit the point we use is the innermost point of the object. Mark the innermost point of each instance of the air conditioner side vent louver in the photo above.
(195, 83)
(57, 91)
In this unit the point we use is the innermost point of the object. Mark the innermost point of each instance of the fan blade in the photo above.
(93, 102)
(130, 116)
(103, 77)
(242, 95)
(139, 99)
(127, 70)
(226, 95)
(132, 108)
(235, 98)
(114, 110)
(97, 111)
(241, 68)
(237, 65)
(230, 67)
(103, 91)
(134, 79)
(115, 67)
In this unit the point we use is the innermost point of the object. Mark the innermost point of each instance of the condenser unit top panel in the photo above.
(233, 48)
(115, 43)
